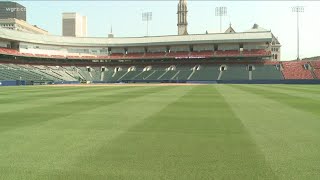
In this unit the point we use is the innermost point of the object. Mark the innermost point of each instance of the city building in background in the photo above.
(12, 10)
(73, 24)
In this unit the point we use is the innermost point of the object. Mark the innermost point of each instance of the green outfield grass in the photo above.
(160, 132)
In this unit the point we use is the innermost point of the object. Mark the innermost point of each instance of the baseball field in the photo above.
(160, 132)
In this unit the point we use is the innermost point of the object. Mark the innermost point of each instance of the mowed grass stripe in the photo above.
(298, 88)
(67, 105)
(19, 102)
(195, 137)
(288, 137)
(302, 100)
(28, 90)
(48, 150)
(48, 92)
(303, 93)
(301, 87)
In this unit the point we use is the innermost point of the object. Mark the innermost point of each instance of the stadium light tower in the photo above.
(221, 11)
(298, 9)
(147, 16)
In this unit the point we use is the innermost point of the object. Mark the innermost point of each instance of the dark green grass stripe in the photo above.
(195, 137)
(305, 104)
(92, 100)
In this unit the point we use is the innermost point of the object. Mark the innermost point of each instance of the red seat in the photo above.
(9, 51)
(103, 57)
(58, 56)
(227, 53)
(154, 55)
(116, 56)
(201, 54)
(88, 57)
(178, 54)
(134, 55)
(256, 52)
(295, 70)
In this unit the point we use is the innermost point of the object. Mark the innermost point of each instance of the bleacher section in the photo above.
(296, 70)
(205, 73)
(266, 72)
(166, 72)
(235, 72)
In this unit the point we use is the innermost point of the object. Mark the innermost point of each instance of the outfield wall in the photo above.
(286, 81)
(12, 83)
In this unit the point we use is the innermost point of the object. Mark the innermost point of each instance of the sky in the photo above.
(125, 17)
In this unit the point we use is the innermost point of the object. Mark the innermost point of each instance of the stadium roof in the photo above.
(136, 41)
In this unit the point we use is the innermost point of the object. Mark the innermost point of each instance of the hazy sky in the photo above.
(125, 18)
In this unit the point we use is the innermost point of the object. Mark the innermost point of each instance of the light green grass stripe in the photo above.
(300, 88)
(297, 92)
(289, 138)
(302, 100)
(48, 150)
(195, 137)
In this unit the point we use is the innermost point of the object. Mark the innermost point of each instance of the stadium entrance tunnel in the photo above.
(250, 67)
(223, 67)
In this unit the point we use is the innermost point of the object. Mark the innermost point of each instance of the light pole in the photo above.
(298, 9)
(147, 16)
(221, 11)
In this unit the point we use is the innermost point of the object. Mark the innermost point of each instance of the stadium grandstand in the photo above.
(251, 55)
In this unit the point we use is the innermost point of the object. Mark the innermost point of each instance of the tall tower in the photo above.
(182, 18)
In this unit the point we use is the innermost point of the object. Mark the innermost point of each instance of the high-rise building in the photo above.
(12, 10)
(182, 18)
(73, 24)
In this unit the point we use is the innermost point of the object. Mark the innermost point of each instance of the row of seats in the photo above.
(296, 70)
(236, 71)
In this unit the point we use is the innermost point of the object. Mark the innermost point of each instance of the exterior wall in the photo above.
(208, 47)
(73, 50)
(4, 44)
(249, 46)
(135, 50)
(12, 10)
(154, 49)
(275, 49)
(60, 50)
(117, 50)
(179, 48)
(228, 46)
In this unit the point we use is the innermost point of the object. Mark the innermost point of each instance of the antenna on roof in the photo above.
(110, 35)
